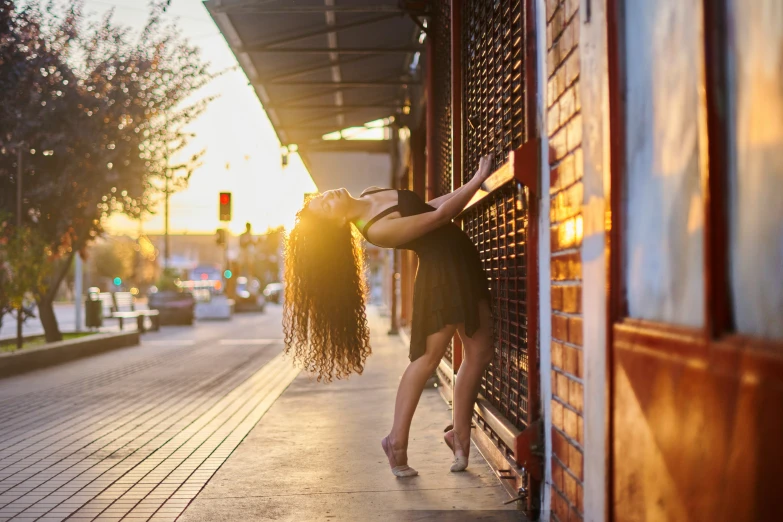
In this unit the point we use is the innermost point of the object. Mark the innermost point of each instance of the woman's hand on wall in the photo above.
(485, 167)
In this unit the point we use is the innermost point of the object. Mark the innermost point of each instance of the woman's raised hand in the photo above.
(485, 167)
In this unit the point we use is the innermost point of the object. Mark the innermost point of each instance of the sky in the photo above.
(242, 151)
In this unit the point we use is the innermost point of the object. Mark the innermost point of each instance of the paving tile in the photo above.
(128, 439)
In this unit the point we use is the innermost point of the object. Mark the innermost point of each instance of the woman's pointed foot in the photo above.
(400, 471)
(460, 454)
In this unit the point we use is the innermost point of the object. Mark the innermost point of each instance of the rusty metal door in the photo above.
(696, 391)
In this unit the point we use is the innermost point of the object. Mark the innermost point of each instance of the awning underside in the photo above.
(320, 66)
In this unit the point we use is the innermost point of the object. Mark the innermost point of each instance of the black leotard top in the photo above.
(450, 280)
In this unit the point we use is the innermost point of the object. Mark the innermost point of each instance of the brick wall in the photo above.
(564, 127)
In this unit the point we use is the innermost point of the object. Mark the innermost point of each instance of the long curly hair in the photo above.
(324, 317)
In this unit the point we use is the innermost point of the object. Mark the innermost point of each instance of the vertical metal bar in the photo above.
(432, 134)
(394, 152)
(166, 209)
(78, 285)
(456, 128)
(418, 159)
(718, 312)
(394, 327)
(531, 114)
(19, 176)
(531, 243)
(19, 186)
(534, 378)
(616, 305)
(166, 224)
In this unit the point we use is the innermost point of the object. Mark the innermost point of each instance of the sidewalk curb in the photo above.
(14, 363)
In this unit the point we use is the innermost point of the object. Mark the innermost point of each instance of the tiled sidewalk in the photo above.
(135, 441)
(316, 456)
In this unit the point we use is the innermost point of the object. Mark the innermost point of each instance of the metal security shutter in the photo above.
(498, 228)
(493, 83)
(441, 38)
(498, 86)
(495, 122)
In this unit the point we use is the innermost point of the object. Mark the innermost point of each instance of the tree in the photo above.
(24, 265)
(97, 115)
(114, 259)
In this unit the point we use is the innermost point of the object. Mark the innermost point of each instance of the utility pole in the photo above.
(166, 218)
(78, 285)
(20, 310)
(166, 209)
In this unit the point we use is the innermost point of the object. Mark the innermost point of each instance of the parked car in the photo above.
(175, 306)
(274, 292)
(248, 294)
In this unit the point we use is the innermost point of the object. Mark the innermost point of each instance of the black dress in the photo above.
(450, 281)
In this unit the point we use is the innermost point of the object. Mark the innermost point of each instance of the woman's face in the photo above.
(332, 204)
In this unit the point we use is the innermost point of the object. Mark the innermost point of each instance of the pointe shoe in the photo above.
(398, 471)
(460, 461)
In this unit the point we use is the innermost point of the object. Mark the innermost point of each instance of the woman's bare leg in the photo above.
(411, 386)
(479, 351)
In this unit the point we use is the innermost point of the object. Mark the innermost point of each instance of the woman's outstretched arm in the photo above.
(437, 202)
(392, 232)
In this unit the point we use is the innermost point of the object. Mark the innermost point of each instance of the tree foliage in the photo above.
(98, 114)
(24, 267)
(114, 259)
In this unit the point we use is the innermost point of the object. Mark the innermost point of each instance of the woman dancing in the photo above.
(324, 318)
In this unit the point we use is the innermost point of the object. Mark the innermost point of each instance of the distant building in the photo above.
(189, 250)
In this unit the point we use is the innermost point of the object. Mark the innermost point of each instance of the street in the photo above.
(137, 431)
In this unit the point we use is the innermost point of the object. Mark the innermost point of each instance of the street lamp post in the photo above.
(166, 175)
(20, 310)
(166, 219)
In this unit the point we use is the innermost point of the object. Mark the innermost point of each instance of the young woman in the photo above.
(324, 316)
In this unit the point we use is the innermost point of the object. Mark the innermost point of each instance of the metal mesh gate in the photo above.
(498, 228)
(493, 83)
(494, 121)
(497, 88)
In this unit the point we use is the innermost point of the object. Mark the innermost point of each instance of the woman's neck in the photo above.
(358, 208)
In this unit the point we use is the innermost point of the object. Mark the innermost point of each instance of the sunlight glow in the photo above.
(372, 130)
(234, 130)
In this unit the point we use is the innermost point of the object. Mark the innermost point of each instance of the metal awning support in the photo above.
(328, 50)
(386, 104)
(342, 111)
(252, 8)
(368, 83)
(322, 92)
(321, 30)
(419, 23)
(343, 146)
(313, 68)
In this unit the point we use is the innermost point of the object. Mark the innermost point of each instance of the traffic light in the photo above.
(225, 206)
(220, 236)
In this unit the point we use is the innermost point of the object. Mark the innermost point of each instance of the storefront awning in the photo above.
(321, 66)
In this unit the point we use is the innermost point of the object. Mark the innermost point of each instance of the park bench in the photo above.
(125, 302)
(120, 306)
